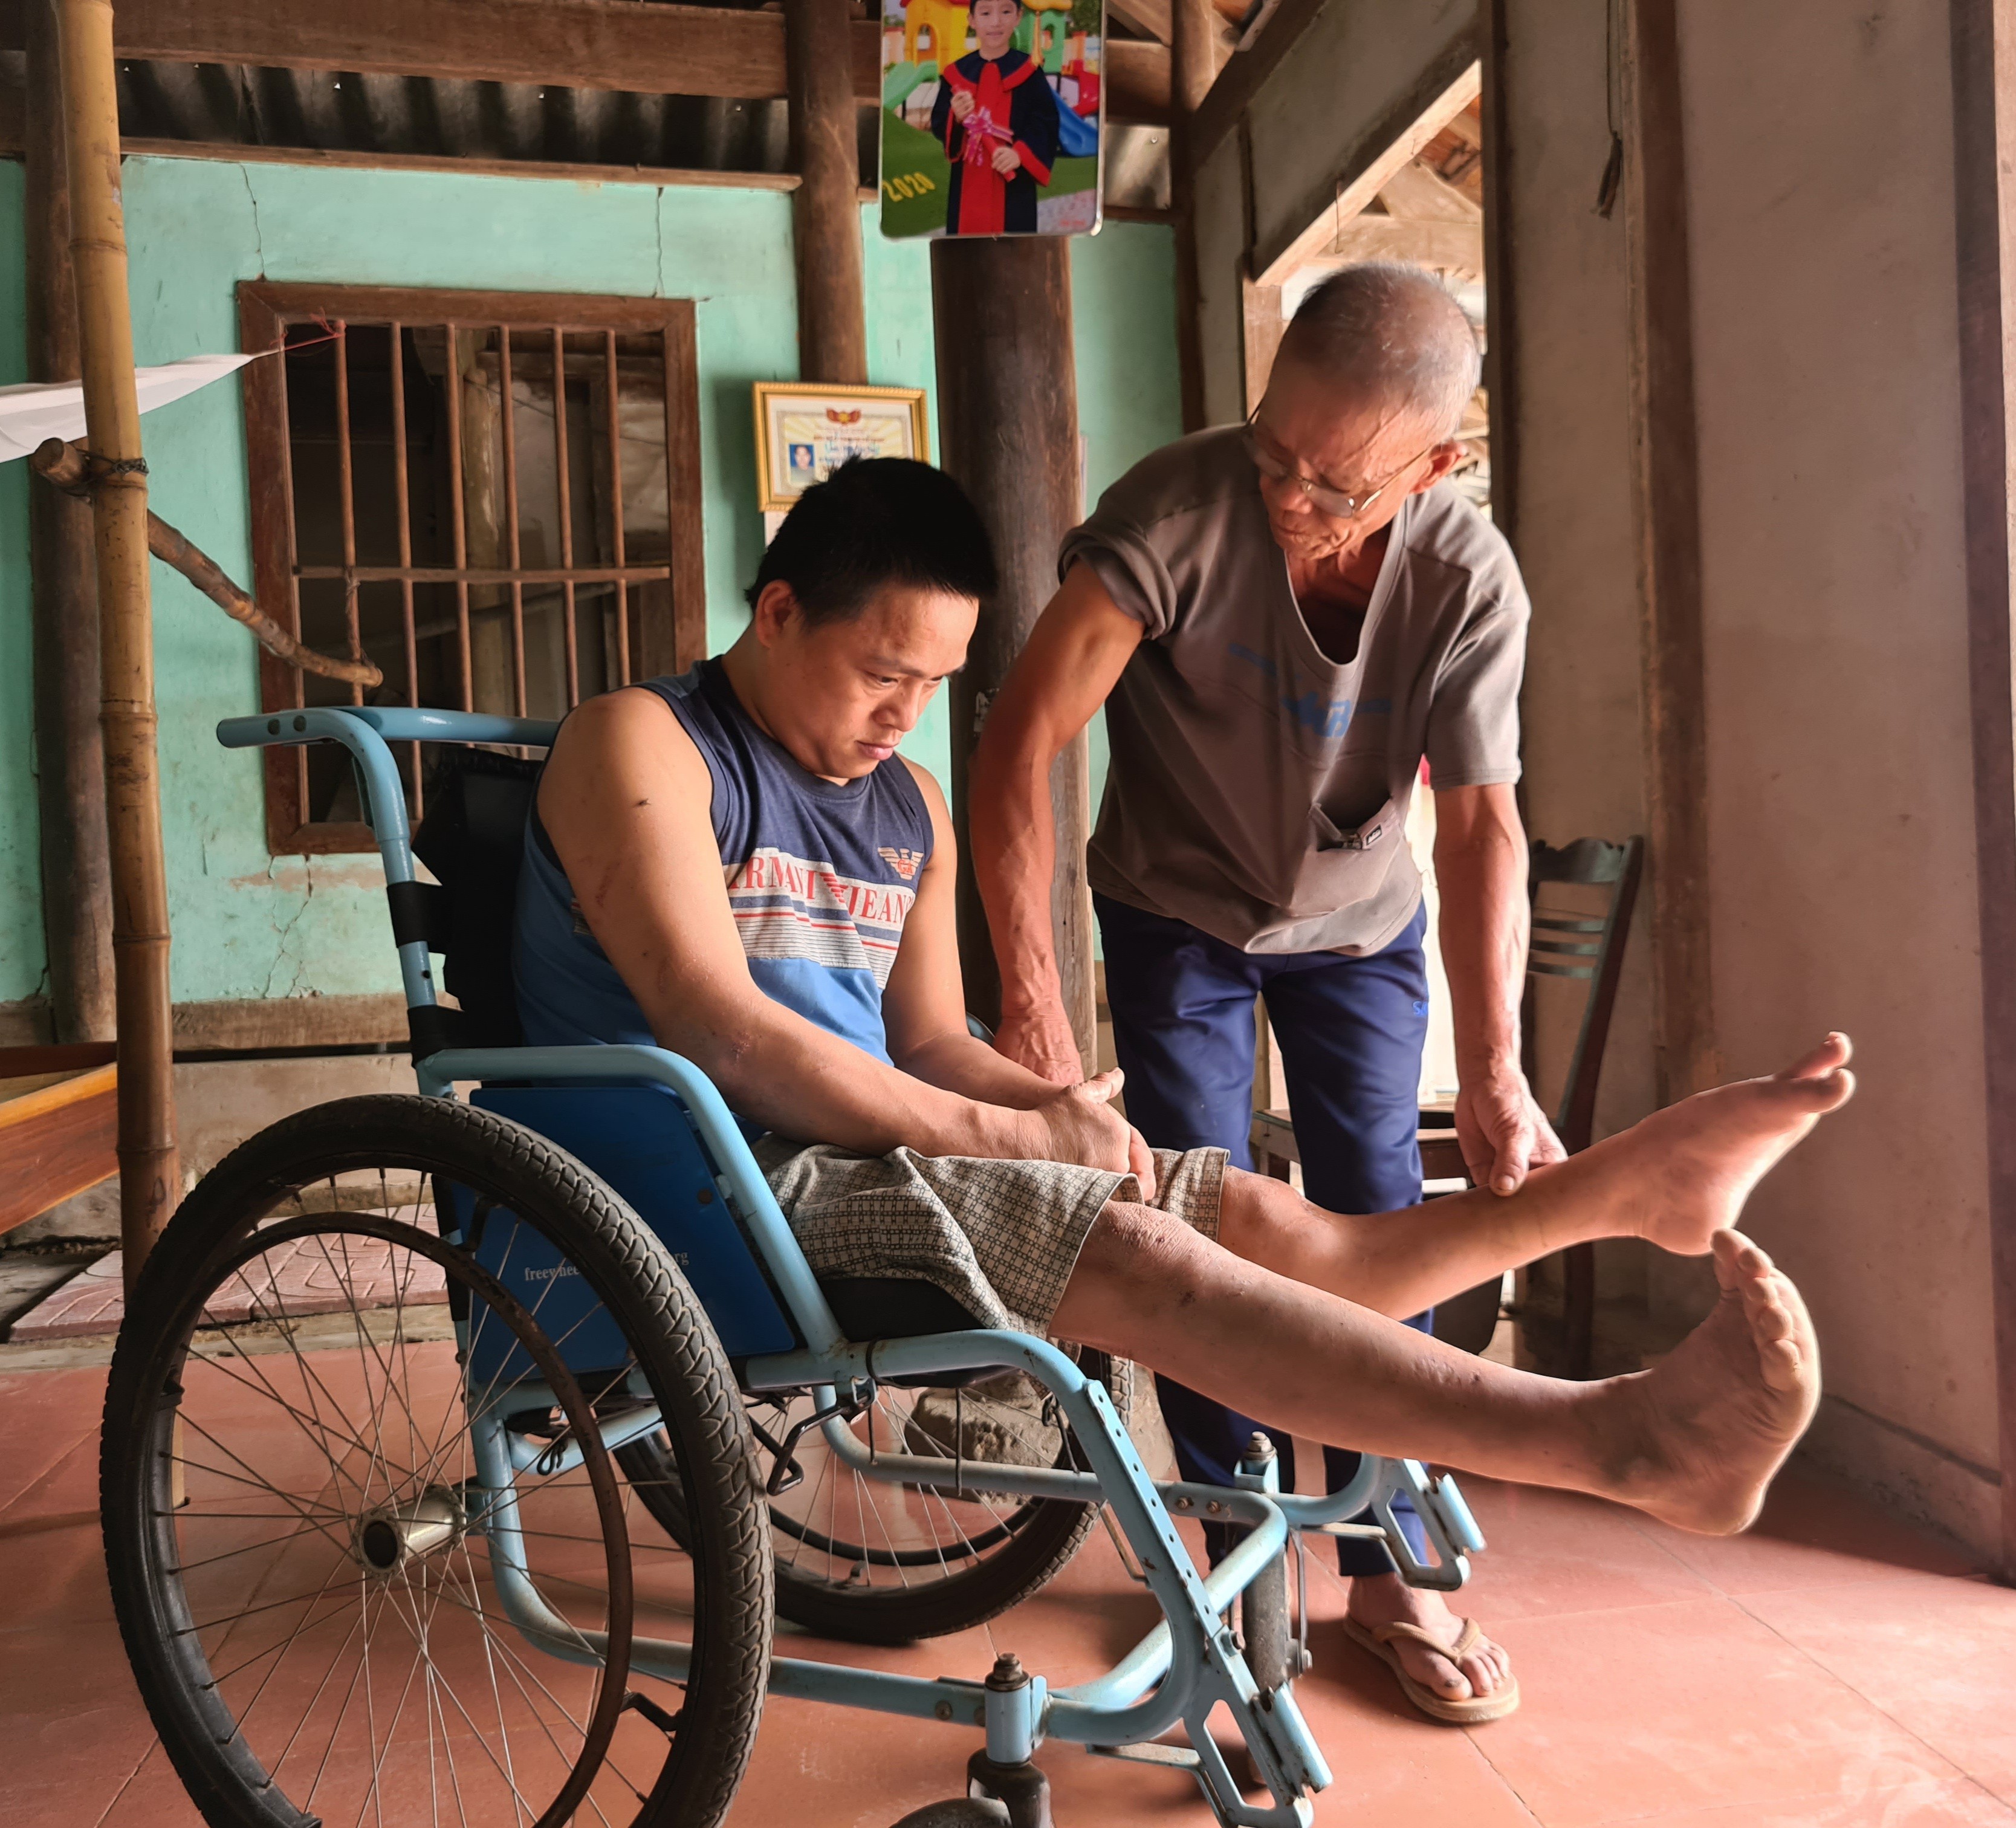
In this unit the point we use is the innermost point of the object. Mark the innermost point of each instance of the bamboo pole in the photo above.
(148, 1167)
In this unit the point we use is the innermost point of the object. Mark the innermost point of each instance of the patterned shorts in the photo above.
(1000, 1237)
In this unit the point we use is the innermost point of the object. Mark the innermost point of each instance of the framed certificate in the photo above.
(804, 432)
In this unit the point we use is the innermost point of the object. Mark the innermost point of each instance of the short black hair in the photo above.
(877, 521)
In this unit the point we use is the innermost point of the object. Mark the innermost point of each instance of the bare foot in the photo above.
(1690, 1167)
(1712, 1423)
(1377, 1600)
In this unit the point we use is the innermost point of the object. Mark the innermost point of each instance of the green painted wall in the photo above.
(250, 925)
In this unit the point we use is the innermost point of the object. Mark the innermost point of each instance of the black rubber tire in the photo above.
(957, 1813)
(627, 1268)
(1049, 1533)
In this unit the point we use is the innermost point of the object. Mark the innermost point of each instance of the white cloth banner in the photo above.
(54, 409)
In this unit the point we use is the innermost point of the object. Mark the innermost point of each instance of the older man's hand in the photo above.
(1503, 1133)
(1042, 1041)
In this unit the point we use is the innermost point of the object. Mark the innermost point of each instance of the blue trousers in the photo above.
(1351, 1032)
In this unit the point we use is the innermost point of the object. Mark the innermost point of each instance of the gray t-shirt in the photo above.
(1258, 790)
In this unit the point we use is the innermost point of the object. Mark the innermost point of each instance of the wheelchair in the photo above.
(462, 1450)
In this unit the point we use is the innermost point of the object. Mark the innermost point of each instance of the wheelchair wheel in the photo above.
(340, 1602)
(870, 1563)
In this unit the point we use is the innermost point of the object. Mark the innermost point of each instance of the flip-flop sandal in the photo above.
(1475, 1711)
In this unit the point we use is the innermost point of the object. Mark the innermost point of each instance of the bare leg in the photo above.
(1676, 1178)
(1694, 1442)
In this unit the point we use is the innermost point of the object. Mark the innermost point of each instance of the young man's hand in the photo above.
(1007, 161)
(962, 104)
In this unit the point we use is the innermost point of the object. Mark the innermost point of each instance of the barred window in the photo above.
(494, 497)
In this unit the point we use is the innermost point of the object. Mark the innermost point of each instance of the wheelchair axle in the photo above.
(388, 1538)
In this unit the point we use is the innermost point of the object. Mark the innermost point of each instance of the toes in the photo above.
(1445, 1678)
(1737, 1261)
(1835, 1052)
(1782, 1363)
(1769, 1318)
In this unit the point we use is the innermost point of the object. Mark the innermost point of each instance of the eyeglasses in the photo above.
(1334, 502)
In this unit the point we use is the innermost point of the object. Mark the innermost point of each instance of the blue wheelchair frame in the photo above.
(1190, 1664)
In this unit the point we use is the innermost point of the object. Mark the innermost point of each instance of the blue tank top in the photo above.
(821, 877)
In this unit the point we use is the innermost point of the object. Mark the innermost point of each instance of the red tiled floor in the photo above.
(1693, 1704)
(299, 1277)
(1936, 1656)
(43, 1415)
(1957, 1803)
(1831, 1670)
(1551, 1552)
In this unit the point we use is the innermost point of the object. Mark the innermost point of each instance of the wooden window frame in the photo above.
(671, 627)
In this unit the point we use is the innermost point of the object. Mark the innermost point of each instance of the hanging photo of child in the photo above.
(991, 117)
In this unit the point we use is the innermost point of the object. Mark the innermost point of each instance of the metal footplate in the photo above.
(1445, 1517)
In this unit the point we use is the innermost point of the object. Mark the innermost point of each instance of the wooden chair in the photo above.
(1580, 945)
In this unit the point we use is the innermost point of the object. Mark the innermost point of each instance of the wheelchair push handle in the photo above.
(366, 731)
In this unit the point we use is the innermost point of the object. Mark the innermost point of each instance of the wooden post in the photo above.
(1008, 423)
(1501, 362)
(1984, 61)
(1194, 28)
(826, 208)
(1666, 483)
(69, 768)
(149, 1168)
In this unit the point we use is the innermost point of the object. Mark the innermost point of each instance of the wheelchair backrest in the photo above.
(638, 1138)
(472, 838)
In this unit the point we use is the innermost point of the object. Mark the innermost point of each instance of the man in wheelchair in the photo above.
(738, 866)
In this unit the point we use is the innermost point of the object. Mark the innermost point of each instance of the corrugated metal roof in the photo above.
(338, 111)
(224, 104)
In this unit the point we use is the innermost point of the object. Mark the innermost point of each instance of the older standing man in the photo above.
(1283, 619)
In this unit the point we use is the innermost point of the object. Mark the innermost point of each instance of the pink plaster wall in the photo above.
(1819, 155)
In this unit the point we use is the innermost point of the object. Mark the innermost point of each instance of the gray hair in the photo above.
(1388, 334)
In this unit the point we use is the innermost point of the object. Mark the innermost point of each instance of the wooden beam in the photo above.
(76, 1056)
(1008, 427)
(1468, 126)
(1243, 77)
(1501, 305)
(581, 43)
(1151, 16)
(1984, 69)
(1394, 152)
(586, 44)
(826, 219)
(1452, 247)
(69, 765)
(658, 177)
(1192, 72)
(1666, 486)
(1416, 194)
(1264, 328)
